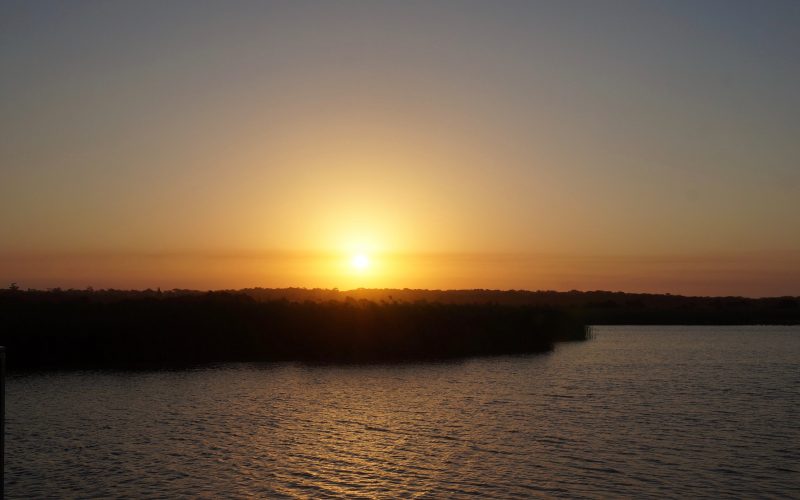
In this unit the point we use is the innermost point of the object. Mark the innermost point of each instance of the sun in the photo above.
(359, 261)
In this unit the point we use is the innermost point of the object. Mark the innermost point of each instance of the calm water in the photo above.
(666, 411)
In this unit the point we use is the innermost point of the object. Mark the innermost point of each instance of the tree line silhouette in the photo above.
(594, 307)
(86, 329)
(125, 328)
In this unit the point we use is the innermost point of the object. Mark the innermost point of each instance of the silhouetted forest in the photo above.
(128, 328)
(594, 307)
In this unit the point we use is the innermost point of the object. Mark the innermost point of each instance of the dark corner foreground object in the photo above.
(49, 331)
(2, 422)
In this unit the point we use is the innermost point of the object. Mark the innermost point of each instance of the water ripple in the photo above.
(667, 412)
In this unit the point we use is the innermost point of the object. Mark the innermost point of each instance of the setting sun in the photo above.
(359, 261)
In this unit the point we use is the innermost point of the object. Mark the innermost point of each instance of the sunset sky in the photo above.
(637, 146)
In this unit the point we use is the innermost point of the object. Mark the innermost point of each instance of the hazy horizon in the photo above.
(634, 146)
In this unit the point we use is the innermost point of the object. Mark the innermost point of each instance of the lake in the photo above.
(636, 411)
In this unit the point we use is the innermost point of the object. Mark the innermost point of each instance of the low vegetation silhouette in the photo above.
(109, 329)
(144, 328)
(594, 307)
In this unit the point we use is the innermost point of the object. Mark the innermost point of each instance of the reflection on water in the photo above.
(635, 411)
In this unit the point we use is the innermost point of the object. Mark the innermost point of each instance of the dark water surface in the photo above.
(637, 411)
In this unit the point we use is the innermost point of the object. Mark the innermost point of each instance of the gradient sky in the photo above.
(637, 146)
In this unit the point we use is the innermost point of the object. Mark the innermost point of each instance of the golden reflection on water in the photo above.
(676, 411)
